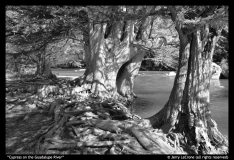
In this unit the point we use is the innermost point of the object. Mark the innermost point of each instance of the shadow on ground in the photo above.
(19, 132)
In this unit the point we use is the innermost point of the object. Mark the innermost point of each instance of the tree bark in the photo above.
(43, 67)
(112, 63)
(105, 53)
(163, 119)
(188, 108)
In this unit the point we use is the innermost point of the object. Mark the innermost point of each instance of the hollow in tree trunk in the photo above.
(127, 73)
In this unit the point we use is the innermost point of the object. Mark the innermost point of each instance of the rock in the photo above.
(171, 74)
(225, 69)
(216, 71)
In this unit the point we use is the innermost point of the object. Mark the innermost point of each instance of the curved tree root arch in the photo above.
(87, 130)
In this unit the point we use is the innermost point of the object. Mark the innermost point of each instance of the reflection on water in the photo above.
(153, 90)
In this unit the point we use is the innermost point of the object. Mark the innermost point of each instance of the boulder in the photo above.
(171, 74)
(225, 69)
(216, 71)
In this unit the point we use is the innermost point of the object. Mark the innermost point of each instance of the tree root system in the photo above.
(84, 124)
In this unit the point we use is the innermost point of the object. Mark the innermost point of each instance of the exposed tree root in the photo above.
(85, 144)
(150, 141)
(135, 150)
(210, 141)
(33, 113)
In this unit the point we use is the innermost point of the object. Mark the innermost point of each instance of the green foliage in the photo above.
(225, 68)
(66, 53)
(165, 46)
(31, 29)
(222, 48)
(165, 59)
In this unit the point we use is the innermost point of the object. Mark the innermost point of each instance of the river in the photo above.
(153, 89)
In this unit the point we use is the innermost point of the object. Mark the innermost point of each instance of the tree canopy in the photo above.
(31, 28)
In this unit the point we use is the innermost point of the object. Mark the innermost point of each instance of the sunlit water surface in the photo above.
(153, 90)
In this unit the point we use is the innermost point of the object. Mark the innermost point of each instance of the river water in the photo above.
(153, 90)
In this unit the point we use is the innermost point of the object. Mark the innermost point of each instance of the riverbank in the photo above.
(77, 123)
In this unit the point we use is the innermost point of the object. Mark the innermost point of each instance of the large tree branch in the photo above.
(151, 27)
(176, 20)
(208, 20)
(26, 53)
(126, 16)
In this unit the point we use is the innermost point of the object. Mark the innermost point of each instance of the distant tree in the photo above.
(222, 47)
(66, 52)
(33, 28)
(164, 46)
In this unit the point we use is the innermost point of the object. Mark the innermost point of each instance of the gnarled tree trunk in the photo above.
(188, 108)
(112, 62)
(107, 49)
(104, 57)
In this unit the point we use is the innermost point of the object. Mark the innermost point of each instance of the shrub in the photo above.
(225, 69)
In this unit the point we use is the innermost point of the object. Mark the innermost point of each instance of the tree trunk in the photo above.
(105, 54)
(188, 110)
(164, 118)
(43, 67)
(112, 62)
